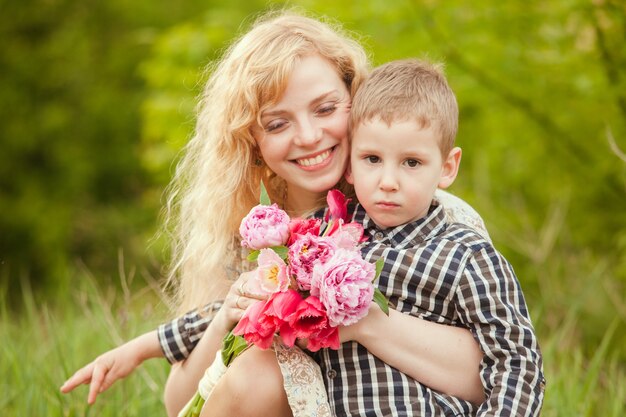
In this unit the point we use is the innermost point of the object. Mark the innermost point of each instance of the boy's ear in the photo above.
(450, 168)
(348, 174)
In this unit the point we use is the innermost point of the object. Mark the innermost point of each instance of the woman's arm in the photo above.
(444, 358)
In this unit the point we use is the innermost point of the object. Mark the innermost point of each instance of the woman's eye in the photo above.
(372, 159)
(274, 125)
(412, 163)
(327, 109)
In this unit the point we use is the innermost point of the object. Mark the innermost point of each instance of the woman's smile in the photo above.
(316, 160)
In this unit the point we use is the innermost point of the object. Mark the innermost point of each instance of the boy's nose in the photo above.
(388, 180)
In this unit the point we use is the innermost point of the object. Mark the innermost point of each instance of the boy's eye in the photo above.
(372, 159)
(412, 163)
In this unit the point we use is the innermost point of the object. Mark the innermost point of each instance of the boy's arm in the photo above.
(442, 357)
(491, 303)
(181, 335)
(115, 364)
(175, 340)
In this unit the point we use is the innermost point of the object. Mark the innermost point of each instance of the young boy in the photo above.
(403, 126)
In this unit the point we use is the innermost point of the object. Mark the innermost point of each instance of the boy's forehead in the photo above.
(420, 123)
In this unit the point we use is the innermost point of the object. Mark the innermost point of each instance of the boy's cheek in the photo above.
(348, 174)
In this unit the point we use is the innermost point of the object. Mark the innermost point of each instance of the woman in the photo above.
(274, 109)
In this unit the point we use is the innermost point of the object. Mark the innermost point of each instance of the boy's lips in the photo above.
(316, 160)
(386, 205)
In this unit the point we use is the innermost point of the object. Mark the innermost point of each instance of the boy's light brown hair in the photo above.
(408, 89)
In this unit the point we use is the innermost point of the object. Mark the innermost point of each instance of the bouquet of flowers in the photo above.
(314, 279)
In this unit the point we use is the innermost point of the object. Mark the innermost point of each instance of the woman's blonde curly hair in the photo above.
(217, 179)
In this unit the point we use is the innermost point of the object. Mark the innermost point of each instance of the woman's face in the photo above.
(304, 137)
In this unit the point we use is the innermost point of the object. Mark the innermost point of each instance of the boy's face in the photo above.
(396, 169)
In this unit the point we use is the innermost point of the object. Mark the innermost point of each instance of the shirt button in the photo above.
(378, 235)
(331, 374)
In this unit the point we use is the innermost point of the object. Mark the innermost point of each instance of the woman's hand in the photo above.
(238, 299)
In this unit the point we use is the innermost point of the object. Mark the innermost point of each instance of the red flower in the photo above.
(249, 328)
(300, 227)
(337, 206)
(327, 337)
(309, 318)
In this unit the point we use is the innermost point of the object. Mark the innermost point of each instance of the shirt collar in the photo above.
(409, 234)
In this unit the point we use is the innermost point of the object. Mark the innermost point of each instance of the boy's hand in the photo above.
(113, 365)
(102, 372)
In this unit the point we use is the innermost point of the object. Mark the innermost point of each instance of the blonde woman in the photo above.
(275, 108)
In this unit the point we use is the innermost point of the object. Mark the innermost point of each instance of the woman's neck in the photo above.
(299, 202)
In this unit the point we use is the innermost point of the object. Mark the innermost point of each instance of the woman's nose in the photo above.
(308, 133)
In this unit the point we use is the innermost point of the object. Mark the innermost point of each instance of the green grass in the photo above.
(47, 341)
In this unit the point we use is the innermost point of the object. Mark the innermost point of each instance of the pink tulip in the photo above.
(328, 337)
(309, 318)
(249, 328)
(271, 275)
(337, 206)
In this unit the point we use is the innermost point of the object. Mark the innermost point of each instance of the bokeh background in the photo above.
(97, 98)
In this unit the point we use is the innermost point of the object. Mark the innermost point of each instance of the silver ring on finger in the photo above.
(241, 290)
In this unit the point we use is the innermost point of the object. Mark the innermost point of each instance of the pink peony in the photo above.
(249, 327)
(264, 227)
(299, 227)
(305, 253)
(344, 285)
(270, 276)
(348, 236)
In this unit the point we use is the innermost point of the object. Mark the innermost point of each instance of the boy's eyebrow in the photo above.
(315, 101)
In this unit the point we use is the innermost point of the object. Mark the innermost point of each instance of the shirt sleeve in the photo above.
(181, 335)
(491, 304)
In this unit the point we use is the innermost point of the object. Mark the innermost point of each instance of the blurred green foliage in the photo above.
(97, 98)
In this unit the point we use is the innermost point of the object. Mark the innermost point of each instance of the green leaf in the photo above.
(381, 300)
(265, 198)
(232, 346)
(282, 251)
(379, 267)
(253, 255)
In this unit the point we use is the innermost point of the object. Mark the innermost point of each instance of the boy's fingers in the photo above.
(82, 376)
(96, 383)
